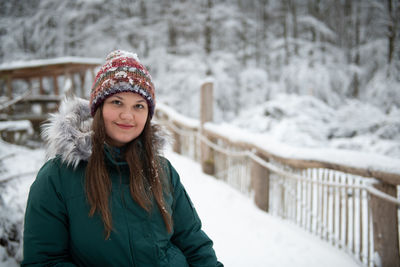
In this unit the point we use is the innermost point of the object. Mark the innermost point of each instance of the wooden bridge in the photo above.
(352, 207)
(30, 90)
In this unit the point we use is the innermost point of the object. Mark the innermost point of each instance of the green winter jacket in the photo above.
(59, 232)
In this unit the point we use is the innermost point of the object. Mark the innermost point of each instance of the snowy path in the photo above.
(245, 236)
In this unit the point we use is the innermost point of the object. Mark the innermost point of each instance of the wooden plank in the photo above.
(46, 70)
(9, 87)
(353, 249)
(341, 223)
(206, 115)
(82, 75)
(361, 225)
(41, 89)
(385, 224)
(260, 182)
(347, 212)
(55, 85)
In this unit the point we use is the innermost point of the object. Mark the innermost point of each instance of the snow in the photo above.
(15, 161)
(243, 235)
(16, 126)
(43, 62)
(305, 121)
(122, 53)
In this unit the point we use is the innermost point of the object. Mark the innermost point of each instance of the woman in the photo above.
(106, 197)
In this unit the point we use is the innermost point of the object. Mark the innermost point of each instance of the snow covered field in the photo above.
(243, 235)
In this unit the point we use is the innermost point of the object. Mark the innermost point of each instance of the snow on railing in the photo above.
(351, 206)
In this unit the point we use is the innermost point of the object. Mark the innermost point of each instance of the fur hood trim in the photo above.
(67, 133)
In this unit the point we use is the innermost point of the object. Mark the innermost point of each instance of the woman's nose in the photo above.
(127, 115)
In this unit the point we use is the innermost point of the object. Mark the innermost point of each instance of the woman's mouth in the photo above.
(124, 126)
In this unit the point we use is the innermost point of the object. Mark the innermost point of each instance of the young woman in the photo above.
(106, 197)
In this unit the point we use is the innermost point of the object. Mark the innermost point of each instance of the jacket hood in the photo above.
(67, 133)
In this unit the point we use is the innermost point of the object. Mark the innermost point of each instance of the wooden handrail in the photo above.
(388, 177)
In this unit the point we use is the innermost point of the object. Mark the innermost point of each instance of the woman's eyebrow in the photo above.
(115, 96)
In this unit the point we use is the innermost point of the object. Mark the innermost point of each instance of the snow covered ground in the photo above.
(243, 235)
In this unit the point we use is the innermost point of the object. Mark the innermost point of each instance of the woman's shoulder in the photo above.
(55, 165)
(56, 174)
(51, 166)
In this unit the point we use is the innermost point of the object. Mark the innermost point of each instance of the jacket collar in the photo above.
(68, 132)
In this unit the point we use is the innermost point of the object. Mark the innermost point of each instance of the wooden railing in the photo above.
(30, 90)
(353, 208)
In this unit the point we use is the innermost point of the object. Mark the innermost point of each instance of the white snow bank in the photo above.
(305, 121)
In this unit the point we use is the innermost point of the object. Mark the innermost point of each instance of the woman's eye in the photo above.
(116, 102)
(139, 106)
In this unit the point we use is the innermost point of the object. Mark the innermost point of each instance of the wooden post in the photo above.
(41, 89)
(73, 84)
(385, 225)
(55, 85)
(92, 74)
(206, 115)
(9, 110)
(260, 182)
(9, 87)
(82, 80)
(177, 142)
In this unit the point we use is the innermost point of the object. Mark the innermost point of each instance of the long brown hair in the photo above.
(145, 173)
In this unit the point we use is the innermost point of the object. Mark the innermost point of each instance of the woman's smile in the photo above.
(125, 126)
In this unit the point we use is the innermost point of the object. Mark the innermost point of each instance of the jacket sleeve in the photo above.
(188, 235)
(46, 222)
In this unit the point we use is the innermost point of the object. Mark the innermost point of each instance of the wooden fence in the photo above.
(354, 209)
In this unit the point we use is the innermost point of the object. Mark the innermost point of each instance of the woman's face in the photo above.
(125, 116)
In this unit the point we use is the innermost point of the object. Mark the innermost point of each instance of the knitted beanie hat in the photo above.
(122, 72)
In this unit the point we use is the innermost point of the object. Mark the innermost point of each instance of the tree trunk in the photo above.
(285, 30)
(172, 37)
(208, 35)
(356, 81)
(294, 22)
(348, 7)
(391, 32)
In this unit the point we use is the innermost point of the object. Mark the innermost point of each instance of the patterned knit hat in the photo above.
(122, 72)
